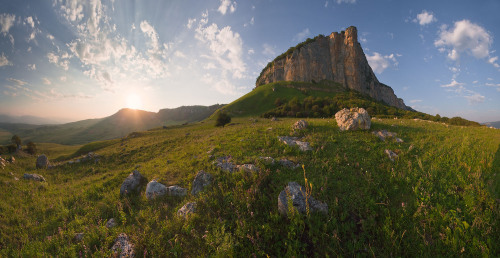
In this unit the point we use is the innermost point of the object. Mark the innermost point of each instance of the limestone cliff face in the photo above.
(338, 57)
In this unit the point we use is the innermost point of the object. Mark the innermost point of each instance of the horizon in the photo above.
(78, 60)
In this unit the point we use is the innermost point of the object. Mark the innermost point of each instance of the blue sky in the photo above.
(84, 59)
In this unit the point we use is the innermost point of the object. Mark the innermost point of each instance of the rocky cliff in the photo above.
(338, 57)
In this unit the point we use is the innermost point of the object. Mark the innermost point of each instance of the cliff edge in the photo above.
(338, 57)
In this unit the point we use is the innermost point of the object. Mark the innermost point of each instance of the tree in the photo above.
(31, 148)
(222, 119)
(16, 140)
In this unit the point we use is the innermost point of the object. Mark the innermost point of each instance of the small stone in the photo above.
(391, 154)
(297, 195)
(274, 119)
(122, 246)
(289, 164)
(200, 182)
(35, 177)
(11, 159)
(132, 183)
(175, 190)
(187, 209)
(225, 164)
(79, 236)
(293, 141)
(268, 160)
(42, 161)
(399, 140)
(248, 168)
(300, 125)
(111, 223)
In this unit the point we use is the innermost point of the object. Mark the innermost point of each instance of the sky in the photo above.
(73, 60)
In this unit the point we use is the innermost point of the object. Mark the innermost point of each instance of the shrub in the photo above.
(222, 119)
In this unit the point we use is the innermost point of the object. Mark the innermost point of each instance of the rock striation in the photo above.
(339, 58)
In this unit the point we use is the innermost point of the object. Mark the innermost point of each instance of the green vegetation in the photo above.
(438, 198)
(222, 119)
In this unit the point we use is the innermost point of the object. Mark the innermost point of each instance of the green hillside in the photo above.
(439, 197)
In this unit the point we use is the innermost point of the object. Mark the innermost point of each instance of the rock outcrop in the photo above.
(339, 58)
(34, 177)
(297, 196)
(187, 209)
(132, 183)
(122, 247)
(42, 161)
(201, 180)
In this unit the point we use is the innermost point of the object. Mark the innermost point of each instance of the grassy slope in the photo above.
(262, 98)
(437, 199)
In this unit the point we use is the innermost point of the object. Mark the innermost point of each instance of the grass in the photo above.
(438, 198)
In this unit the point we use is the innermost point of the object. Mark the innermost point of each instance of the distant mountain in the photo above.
(34, 120)
(117, 125)
(494, 124)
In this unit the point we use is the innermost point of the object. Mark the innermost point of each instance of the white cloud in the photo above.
(17, 82)
(190, 23)
(464, 37)
(493, 61)
(301, 36)
(474, 82)
(452, 84)
(72, 10)
(251, 51)
(150, 31)
(475, 98)
(379, 62)
(268, 50)
(415, 101)
(63, 78)
(6, 22)
(46, 81)
(61, 61)
(226, 5)
(326, 4)
(32, 67)
(425, 18)
(179, 54)
(225, 46)
(29, 20)
(346, 1)
(251, 22)
(4, 61)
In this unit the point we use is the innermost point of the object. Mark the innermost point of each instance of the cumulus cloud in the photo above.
(32, 67)
(379, 62)
(4, 61)
(72, 10)
(226, 5)
(425, 18)
(59, 60)
(190, 23)
(301, 36)
(29, 21)
(225, 46)
(452, 84)
(475, 98)
(6, 22)
(464, 36)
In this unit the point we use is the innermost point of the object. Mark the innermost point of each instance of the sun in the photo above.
(134, 101)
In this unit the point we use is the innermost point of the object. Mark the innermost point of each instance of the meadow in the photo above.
(440, 197)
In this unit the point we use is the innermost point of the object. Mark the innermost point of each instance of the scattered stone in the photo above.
(297, 194)
(79, 236)
(11, 159)
(175, 190)
(15, 178)
(132, 183)
(399, 140)
(384, 134)
(187, 209)
(391, 154)
(299, 125)
(274, 119)
(289, 164)
(292, 141)
(248, 168)
(35, 177)
(225, 164)
(111, 223)
(201, 180)
(155, 189)
(2, 162)
(411, 147)
(122, 246)
(268, 160)
(42, 161)
(353, 119)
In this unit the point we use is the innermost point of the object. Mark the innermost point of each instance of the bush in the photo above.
(31, 148)
(222, 119)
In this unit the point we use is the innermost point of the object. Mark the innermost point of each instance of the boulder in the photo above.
(201, 180)
(111, 223)
(391, 154)
(122, 246)
(289, 164)
(155, 189)
(188, 208)
(175, 190)
(383, 134)
(42, 161)
(132, 183)
(248, 168)
(297, 195)
(353, 119)
(300, 125)
(293, 141)
(35, 177)
(225, 164)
